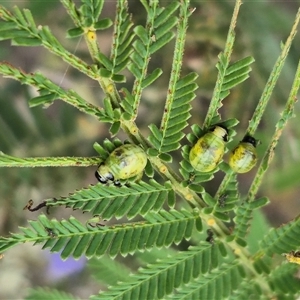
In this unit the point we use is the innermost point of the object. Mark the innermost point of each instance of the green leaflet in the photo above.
(149, 40)
(110, 201)
(91, 9)
(167, 138)
(179, 269)
(121, 44)
(283, 279)
(244, 215)
(108, 271)
(247, 288)
(229, 76)
(12, 161)
(282, 239)
(227, 276)
(180, 94)
(48, 294)
(72, 238)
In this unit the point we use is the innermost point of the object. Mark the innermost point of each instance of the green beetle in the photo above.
(244, 157)
(206, 154)
(124, 162)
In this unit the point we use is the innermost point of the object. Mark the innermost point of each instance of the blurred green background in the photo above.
(61, 130)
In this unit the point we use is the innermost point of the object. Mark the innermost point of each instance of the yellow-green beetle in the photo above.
(206, 154)
(124, 162)
(244, 157)
(293, 257)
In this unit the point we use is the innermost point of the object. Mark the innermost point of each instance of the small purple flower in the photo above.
(59, 268)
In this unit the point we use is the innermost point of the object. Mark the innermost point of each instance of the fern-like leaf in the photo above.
(283, 239)
(223, 202)
(262, 264)
(217, 284)
(149, 39)
(227, 201)
(243, 217)
(176, 270)
(111, 201)
(283, 279)
(234, 74)
(121, 45)
(247, 289)
(48, 294)
(122, 38)
(91, 10)
(223, 84)
(53, 91)
(167, 138)
(180, 94)
(108, 271)
(18, 27)
(72, 238)
(25, 28)
(12, 161)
